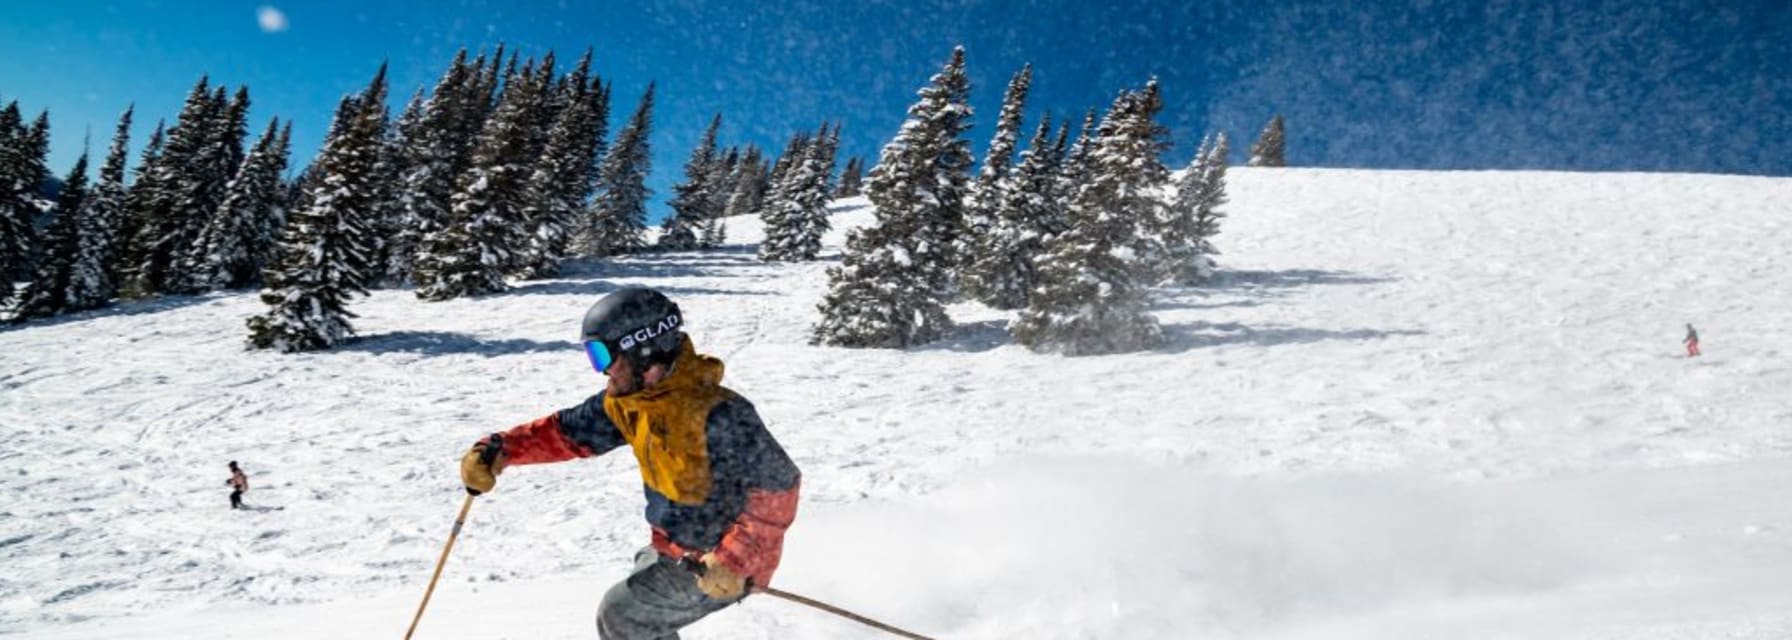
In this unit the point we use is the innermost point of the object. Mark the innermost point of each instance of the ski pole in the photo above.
(839, 612)
(486, 458)
(458, 521)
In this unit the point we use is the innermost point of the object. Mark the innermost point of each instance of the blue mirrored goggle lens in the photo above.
(600, 355)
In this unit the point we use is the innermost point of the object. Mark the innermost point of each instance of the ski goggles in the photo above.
(601, 358)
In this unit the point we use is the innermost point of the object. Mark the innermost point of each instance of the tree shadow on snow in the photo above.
(714, 263)
(600, 287)
(1286, 278)
(124, 308)
(1254, 286)
(971, 337)
(444, 343)
(1197, 335)
(1179, 302)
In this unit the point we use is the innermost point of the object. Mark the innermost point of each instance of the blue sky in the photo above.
(1680, 85)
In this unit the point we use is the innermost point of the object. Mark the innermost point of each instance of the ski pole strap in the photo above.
(839, 612)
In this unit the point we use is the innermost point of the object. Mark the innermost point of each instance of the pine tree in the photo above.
(325, 247)
(1269, 150)
(693, 200)
(743, 200)
(618, 217)
(138, 204)
(23, 151)
(273, 219)
(1073, 165)
(207, 183)
(52, 280)
(1149, 175)
(399, 251)
(890, 287)
(546, 107)
(794, 152)
(230, 245)
(797, 217)
(561, 182)
(1201, 202)
(850, 179)
(774, 215)
(1089, 299)
(168, 209)
(985, 192)
(723, 177)
(374, 121)
(1025, 216)
(481, 98)
(102, 222)
(486, 230)
(432, 147)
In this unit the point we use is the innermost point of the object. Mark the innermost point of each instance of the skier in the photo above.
(720, 490)
(239, 484)
(1692, 341)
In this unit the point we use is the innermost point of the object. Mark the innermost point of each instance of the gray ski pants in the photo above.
(657, 600)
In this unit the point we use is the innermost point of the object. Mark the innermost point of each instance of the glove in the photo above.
(479, 469)
(717, 581)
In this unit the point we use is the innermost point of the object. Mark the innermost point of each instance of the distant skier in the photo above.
(1692, 341)
(720, 490)
(239, 484)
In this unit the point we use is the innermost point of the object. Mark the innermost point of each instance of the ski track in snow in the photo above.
(1412, 404)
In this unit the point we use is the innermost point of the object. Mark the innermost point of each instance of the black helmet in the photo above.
(636, 323)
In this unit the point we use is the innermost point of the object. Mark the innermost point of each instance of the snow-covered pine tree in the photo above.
(561, 181)
(1076, 159)
(207, 182)
(231, 131)
(794, 152)
(1089, 299)
(851, 178)
(1001, 274)
(375, 117)
(170, 196)
(1180, 240)
(23, 150)
(798, 216)
(692, 199)
(1271, 146)
(399, 250)
(229, 244)
(890, 287)
(980, 203)
(618, 216)
(747, 182)
(774, 216)
(547, 105)
(486, 228)
(52, 279)
(1207, 214)
(1150, 175)
(744, 199)
(138, 200)
(273, 219)
(722, 178)
(325, 244)
(92, 285)
(482, 98)
(831, 147)
(432, 149)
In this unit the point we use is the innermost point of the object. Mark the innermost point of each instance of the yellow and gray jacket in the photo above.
(715, 478)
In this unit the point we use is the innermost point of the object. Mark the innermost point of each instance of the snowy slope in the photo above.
(1414, 405)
